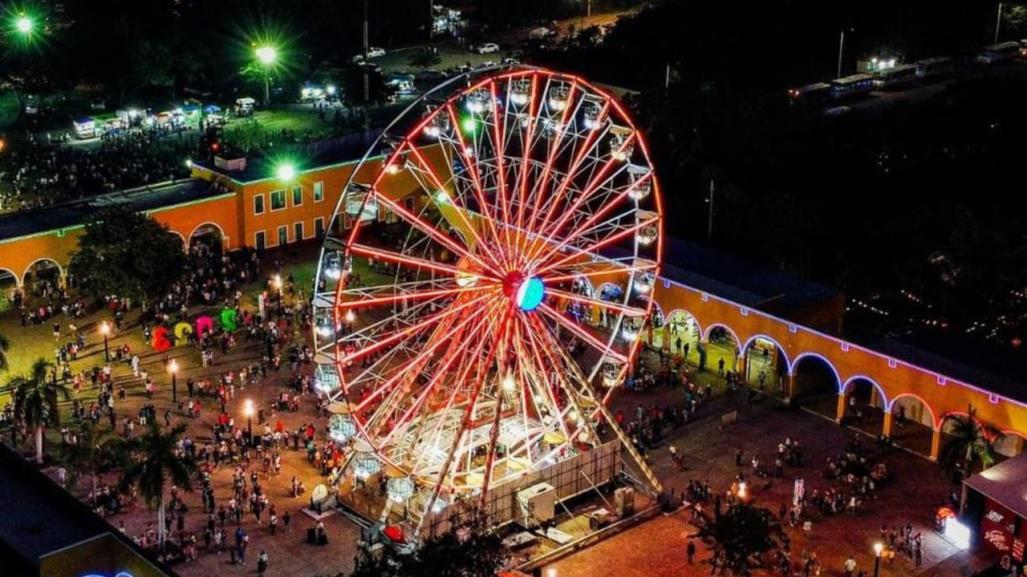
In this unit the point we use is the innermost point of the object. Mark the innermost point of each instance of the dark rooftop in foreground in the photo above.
(40, 518)
(45, 219)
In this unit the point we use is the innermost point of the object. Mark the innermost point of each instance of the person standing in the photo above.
(690, 551)
(850, 566)
(262, 561)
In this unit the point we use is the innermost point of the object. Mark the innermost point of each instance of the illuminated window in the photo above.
(277, 199)
(319, 191)
(297, 196)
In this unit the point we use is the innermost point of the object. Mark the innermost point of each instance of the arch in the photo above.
(709, 331)
(926, 405)
(42, 259)
(880, 390)
(185, 243)
(208, 223)
(14, 275)
(7, 291)
(946, 416)
(780, 349)
(678, 324)
(761, 369)
(1011, 444)
(798, 358)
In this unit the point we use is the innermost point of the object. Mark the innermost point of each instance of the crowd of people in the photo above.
(39, 173)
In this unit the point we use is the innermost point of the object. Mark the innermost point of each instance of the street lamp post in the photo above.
(267, 56)
(105, 330)
(173, 369)
(878, 548)
(248, 410)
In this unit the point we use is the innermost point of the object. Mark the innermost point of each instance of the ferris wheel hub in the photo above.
(526, 292)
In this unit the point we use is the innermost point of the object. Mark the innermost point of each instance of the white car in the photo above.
(488, 48)
(372, 52)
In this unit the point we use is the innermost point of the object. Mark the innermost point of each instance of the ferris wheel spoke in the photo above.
(428, 229)
(414, 365)
(410, 261)
(585, 226)
(572, 171)
(555, 145)
(592, 248)
(498, 152)
(545, 386)
(594, 184)
(459, 350)
(477, 190)
(458, 206)
(600, 346)
(627, 310)
(465, 421)
(527, 145)
(572, 381)
(477, 362)
(397, 336)
(586, 274)
(408, 296)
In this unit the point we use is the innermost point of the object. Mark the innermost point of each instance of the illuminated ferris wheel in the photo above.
(457, 331)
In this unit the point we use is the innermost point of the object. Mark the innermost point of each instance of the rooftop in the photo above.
(1004, 484)
(737, 280)
(46, 219)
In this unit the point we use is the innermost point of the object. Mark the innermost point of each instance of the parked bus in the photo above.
(934, 67)
(811, 93)
(853, 85)
(999, 52)
(895, 76)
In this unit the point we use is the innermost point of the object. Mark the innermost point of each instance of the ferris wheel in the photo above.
(453, 328)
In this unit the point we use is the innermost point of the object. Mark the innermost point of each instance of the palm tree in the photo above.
(971, 442)
(35, 401)
(154, 460)
(94, 451)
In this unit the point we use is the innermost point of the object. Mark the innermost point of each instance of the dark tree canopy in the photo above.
(743, 538)
(127, 254)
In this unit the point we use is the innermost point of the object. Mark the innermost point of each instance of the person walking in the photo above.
(850, 567)
(262, 561)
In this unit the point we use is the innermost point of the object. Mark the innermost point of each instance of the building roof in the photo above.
(1004, 484)
(315, 156)
(71, 214)
(994, 370)
(737, 280)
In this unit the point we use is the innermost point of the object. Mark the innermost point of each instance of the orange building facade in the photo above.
(268, 213)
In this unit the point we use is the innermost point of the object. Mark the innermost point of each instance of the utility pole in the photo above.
(709, 223)
(841, 49)
(367, 72)
(998, 21)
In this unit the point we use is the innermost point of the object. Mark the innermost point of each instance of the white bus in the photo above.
(929, 67)
(853, 85)
(999, 52)
(895, 76)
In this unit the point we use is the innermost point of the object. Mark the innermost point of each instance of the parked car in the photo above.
(372, 52)
(487, 48)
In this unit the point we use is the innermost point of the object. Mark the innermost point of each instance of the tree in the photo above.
(4, 346)
(127, 254)
(469, 548)
(94, 452)
(972, 442)
(35, 401)
(743, 538)
(154, 459)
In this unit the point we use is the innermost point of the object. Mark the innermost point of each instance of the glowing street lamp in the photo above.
(105, 330)
(285, 172)
(24, 24)
(248, 410)
(173, 369)
(267, 55)
(878, 548)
